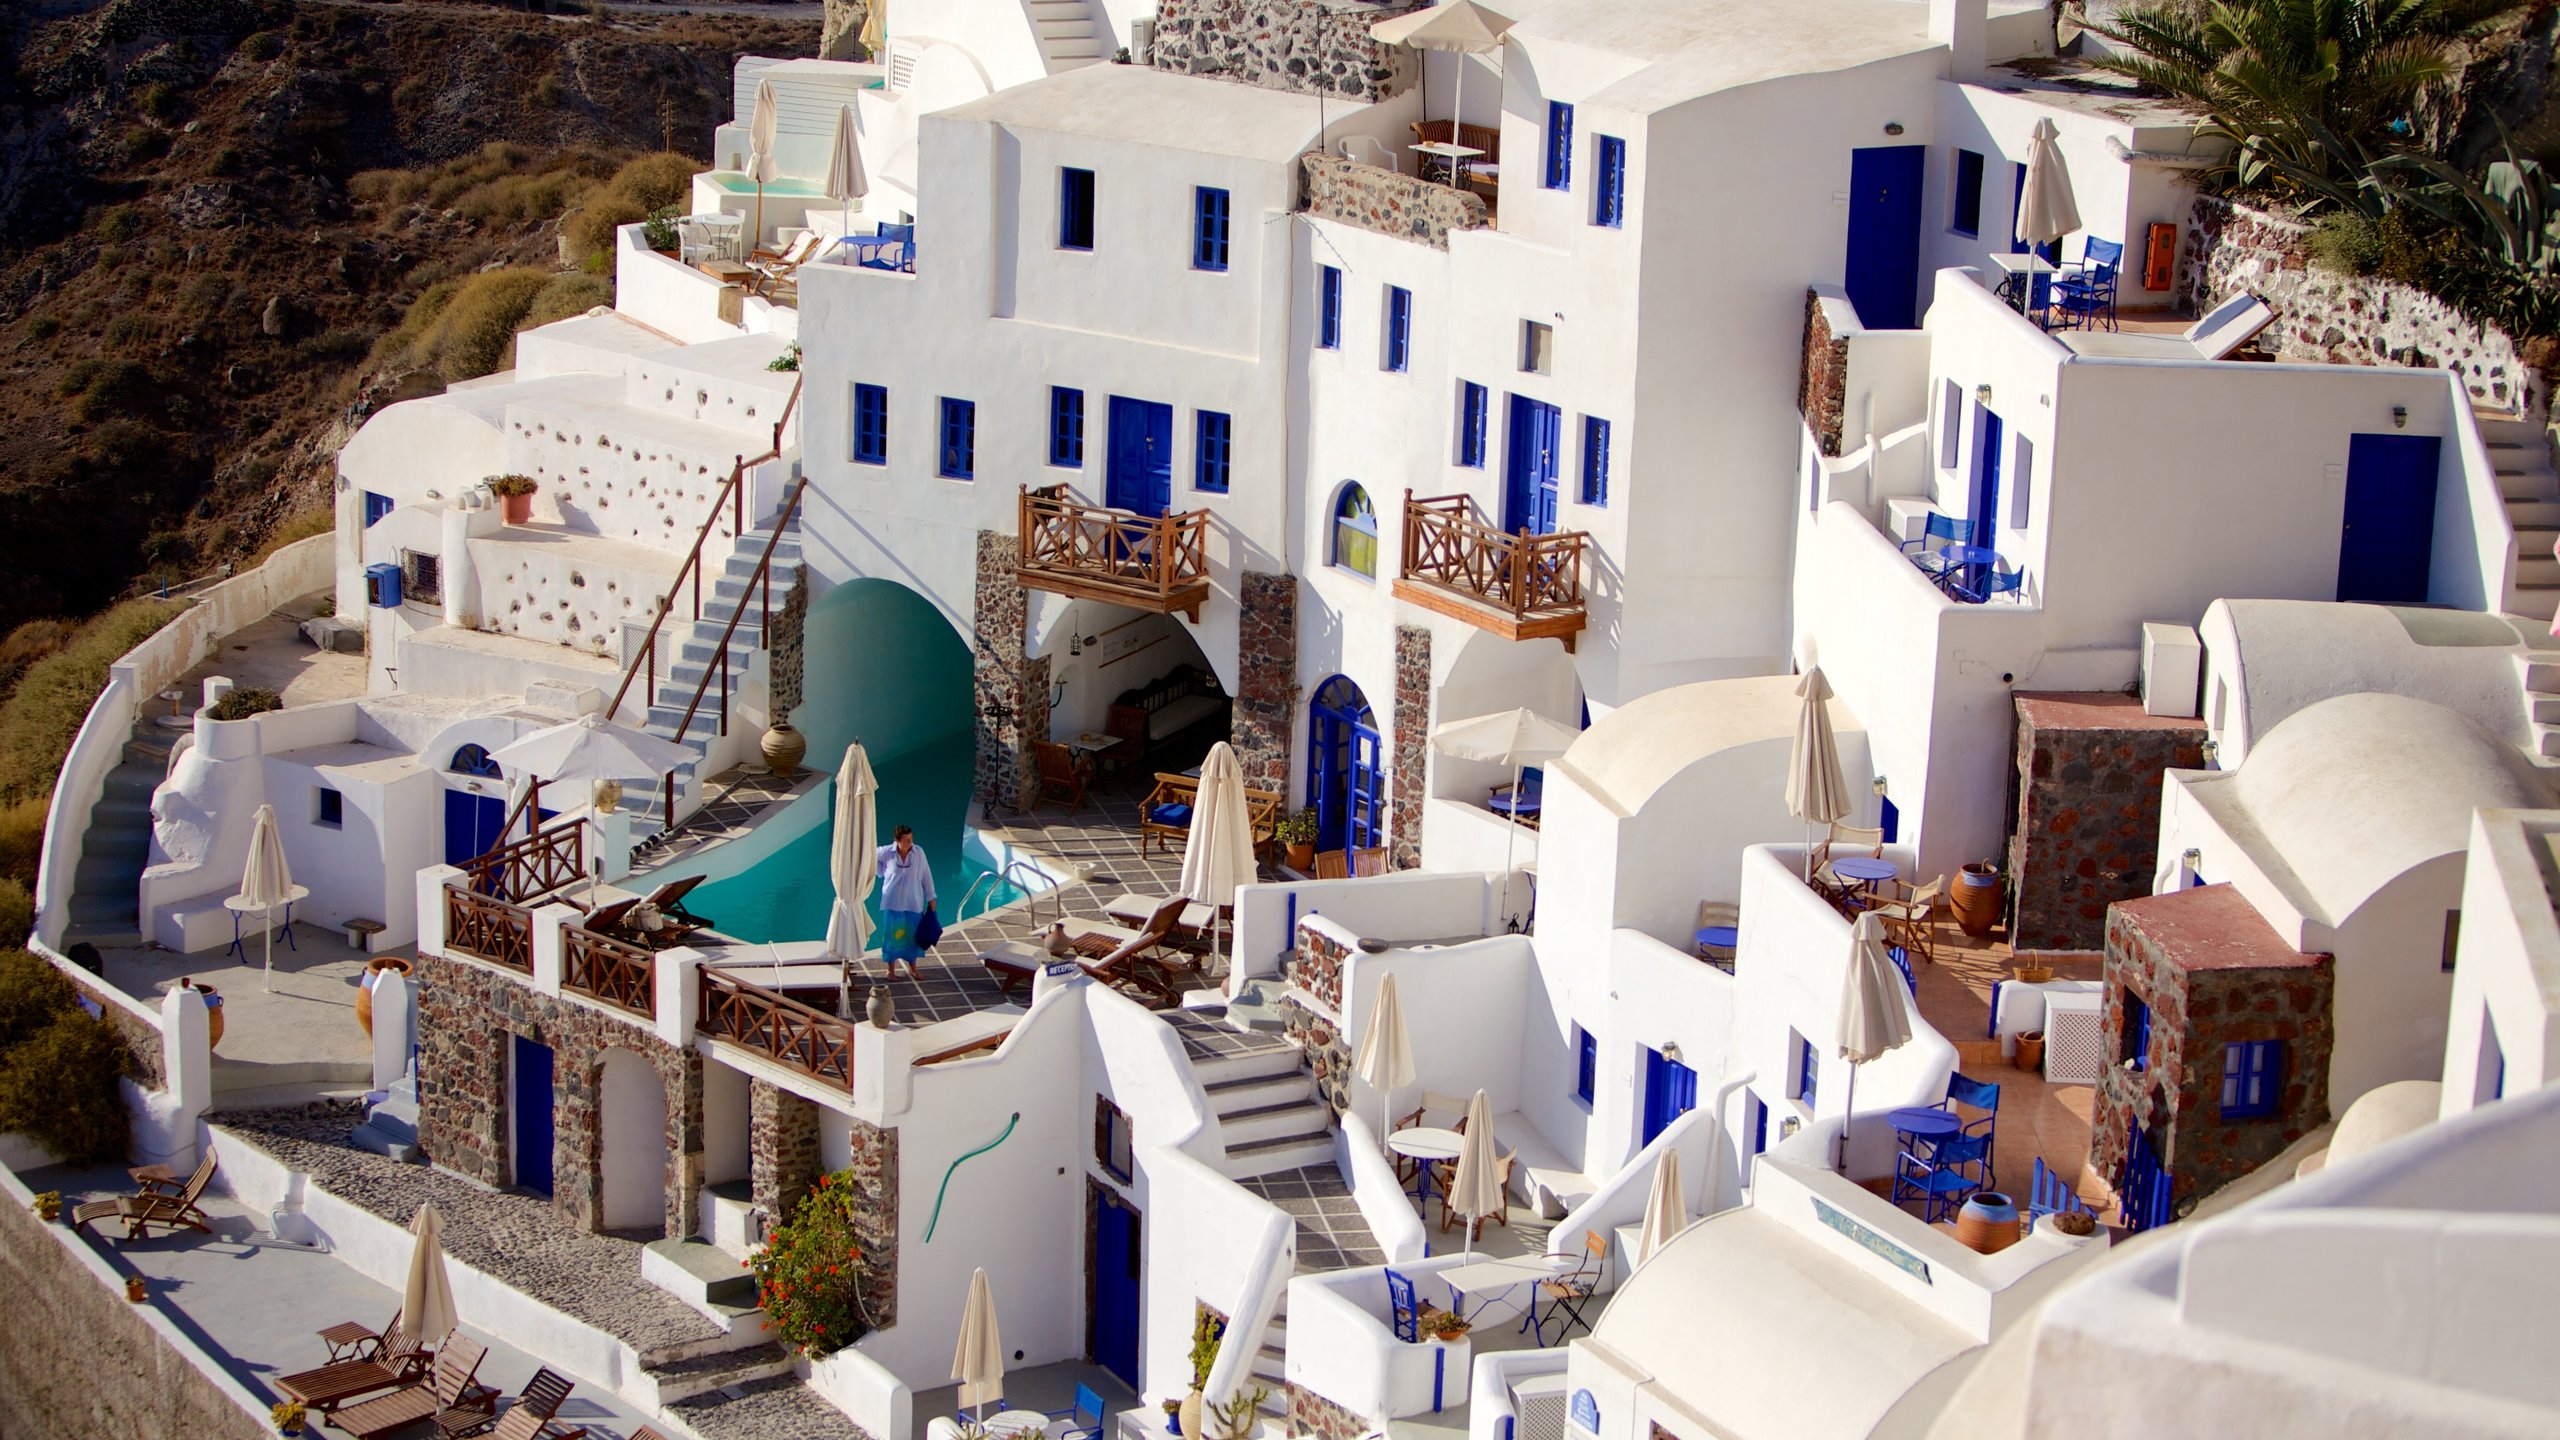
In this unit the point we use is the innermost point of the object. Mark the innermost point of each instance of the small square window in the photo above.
(1328, 307)
(1114, 1145)
(959, 439)
(330, 811)
(1474, 404)
(2252, 1078)
(1066, 427)
(375, 507)
(1559, 168)
(1808, 1071)
(2133, 1047)
(1967, 217)
(870, 425)
(1586, 1075)
(1399, 328)
(1537, 348)
(421, 578)
(1213, 452)
(1075, 209)
(1209, 228)
(1609, 207)
(2452, 938)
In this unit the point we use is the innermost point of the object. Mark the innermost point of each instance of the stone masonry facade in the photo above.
(1267, 678)
(1404, 206)
(1303, 46)
(2326, 317)
(782, 1131)
(786, 662)
(1314, 975)
(2213, 973)
(2088, 831)
(1413, 746)
(1823, 376)
(1004, 682)
(468, 1017)
(1313, 1415)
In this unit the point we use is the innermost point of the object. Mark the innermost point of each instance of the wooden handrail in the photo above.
(1523, 574)
(538, 864)
(719, 663)
(1160, 555)
(811, 1041)
(616, 972)
(488, 928)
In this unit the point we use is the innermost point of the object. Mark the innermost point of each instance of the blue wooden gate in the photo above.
(1534, 465)
(1140, 478)
(1670, 1091)
(1986, 481)
(2388, 535)
(1116, 1260)
(1346, 772)
(532, 1095)
(1882, 273)
(2143, 1192)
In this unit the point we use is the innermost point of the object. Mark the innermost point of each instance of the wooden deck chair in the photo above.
(1501, 1217)
(398, 1360)
(1911, 917)
(154, 1204)
(1333, 864)
(541, 1398)
(772, 267)
(451, 1387)
(669, 898)
(1060, 776)
(1369, 860)
(523, 1424)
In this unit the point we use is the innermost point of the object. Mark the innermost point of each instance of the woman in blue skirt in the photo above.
(906, 892)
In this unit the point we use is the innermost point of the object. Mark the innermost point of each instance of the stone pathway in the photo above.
(1331, 1234)
(780, 1408)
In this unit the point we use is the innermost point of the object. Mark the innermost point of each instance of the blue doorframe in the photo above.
(1534, 467)
(531, 1092)
(1117, 1255)
(1670, 1091)
(1140, 476)
(471, 825)
(1346, 776)
(1882, 271)
(1985, 513)
(2387, 537)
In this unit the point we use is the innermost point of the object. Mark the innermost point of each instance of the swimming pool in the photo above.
(786, 895)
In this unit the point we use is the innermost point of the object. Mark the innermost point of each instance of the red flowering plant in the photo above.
(809, 1273)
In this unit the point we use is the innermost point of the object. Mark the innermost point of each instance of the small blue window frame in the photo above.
(1399, 329)
(870, 424)
(1808, 1072)
(1475, 404)
(1066, 427)
(2136, 1040)
(1559, 170)
(1586, 1068)
(329, 809)
(1595, 460)
(959, 439)
(375, 507)
(1328, 307)
(1609, 207)
(1965, 217)
(1210, 208)
(2252, 1078)
(1213, 454)
(1075, 208)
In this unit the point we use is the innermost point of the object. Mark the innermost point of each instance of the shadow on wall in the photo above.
(883, 667)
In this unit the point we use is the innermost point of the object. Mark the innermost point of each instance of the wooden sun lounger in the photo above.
(398, 1360)
(523, 1424)
(154, 1204)
(542, 1397)
(450, 1388)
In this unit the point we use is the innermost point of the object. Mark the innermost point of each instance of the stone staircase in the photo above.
(2540, 672)
(687, 651)
(1270, 1363)
(106, 889)
(2531, 487)
(1070, 37)
(1267, 1109)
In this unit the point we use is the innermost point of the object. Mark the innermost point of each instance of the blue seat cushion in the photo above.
(1174, 813)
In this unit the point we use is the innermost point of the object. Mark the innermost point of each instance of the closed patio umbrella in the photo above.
(762, 130)
(1666, 1211)
(1461, 27)
(875, 28)
(845, 181)
(2046, 210)
(1875, 1016)
(267, 881)
(426, 1301)
(979, 1362)
(853, 862)
(1517, 738)
(1475, 1191)
(1217, 853)
(1386, 1051)
(1817, 793)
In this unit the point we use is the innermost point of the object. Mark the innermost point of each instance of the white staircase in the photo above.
(2540, 672)
(1267, 1109)
(1070, 37)
(687, 650)
(2531, 487)
(1270, 1367)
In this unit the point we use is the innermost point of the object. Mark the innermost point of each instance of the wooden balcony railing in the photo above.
(810, 1041)
(537, 865)
(488, 928)
(1521, 587)
(1071, 548)
(616, 972)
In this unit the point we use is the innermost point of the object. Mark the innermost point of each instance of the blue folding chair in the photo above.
(1949, 1175)
(1084, 1418)
(2089, 292)
(1979, 1095)
(1940, 530)
(1405, 1314)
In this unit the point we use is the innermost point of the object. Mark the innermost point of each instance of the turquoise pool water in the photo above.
(787, 895)
(733, 183)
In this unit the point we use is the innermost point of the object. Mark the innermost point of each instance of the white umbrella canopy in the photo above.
(1666, 1211)
(1475, 1191)
(1517, 738)
(853, 863)
(1217, 853)
(267, 880)
(846, 181)
(591, 748)
(978, 1364)
(1817, 793)
(1875, 1016)
(1462, 27)
(2046, 209)
(426, 1301)
(1386, 1051)
(762, 130)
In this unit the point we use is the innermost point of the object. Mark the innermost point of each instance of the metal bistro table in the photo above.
(1491, 1282)
(1869, 871)
(1457, 157)
(1965, 566)
(2017, 275)
(1425, 1145)
(1924, 1126)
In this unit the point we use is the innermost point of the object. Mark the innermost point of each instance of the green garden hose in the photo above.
(945, 1191)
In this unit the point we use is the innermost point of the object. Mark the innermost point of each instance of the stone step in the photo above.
(1286, 1152)
(1280, 1058)
(2537, 569)
(700, 1274)
(2536, 484)
(2534, 514)
(2546, 741)
(728, 1369)
(124, 810)
(2530, 601)
(1254, 1092)
(1268, 1122)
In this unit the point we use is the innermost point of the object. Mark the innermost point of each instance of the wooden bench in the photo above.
(1166, 812)
(1547, 1183)
(1149, 717)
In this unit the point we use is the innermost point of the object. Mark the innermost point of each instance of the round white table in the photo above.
(1425, 1145)
(1015, 1422)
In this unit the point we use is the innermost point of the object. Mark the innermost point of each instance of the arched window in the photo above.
(474, 760)
(1355, 532)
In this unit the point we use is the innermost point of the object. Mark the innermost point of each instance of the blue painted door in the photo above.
(2390, 525)
(1115, 1288)
(471, 825)
(1882, 274)
(1346, 780)
(532, 1094)
(1670, 1091)
(1986, 480)
(1537, 438)
(1140, 478)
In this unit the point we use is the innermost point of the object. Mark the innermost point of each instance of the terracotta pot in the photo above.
(373, 968)
(212, 1012)
(134, 1289)
(518, 508)
(1977, 898)
(1302, 858)
(1988, 1223)
(784, 748)
(2031, 1050)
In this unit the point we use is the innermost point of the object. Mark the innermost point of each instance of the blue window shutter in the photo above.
(1213, 454)
(1329, 307)
(1399, 327)
(1808, 1071)
(1066, 427)
(1473, 404)
(870, 425)
(1209, 229)
(1611, 207)
(1595, 461)
(1586, 1081)
(1559, 174)
(375, 507)
(1075, 209)
(959, 439)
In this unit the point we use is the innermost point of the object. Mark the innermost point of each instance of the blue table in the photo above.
(1921, 1127)
(1867, 871)
(1720, 937)
(1965, 565)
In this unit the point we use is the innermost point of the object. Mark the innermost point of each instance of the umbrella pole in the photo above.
(1848, 1116)
(1511, 842)
(267, 922)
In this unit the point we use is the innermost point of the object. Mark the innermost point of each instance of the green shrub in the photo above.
(244, 702)
(588, 230)
(17, 912)
(809, 1274)
(22, 839)
(565, 296)
(159, 98)
(301, 525)
(657, 180)
(119, 223)
(59, 1086)
(462, 329)
(265, 45)
(43, 715)
(32, 994)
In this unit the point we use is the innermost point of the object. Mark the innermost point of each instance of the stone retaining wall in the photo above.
(1823, 376)
(1004, 680)
(2088, 833)
(1266, 679)
(1302, 46)
(1413, 745)
(1404, 206)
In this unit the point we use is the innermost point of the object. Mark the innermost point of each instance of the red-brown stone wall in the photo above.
(2088, 828)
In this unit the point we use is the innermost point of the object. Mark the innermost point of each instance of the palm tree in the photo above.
(2309, 93)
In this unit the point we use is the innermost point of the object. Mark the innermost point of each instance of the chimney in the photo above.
(1958, 25)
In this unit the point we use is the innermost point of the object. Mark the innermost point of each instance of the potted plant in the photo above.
(1298, 833)
(134, 1289)
(1234, 1417)
(212, 1009)
(2030, 1049)
(1172, 1415)
(48, 1205)
(1446, 1326)
(288, 1417)
(1978, 896)
(516, 493)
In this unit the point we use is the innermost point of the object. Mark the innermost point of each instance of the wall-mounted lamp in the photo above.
(2193, 860)
(1671, 1051)
(1879, 784)
(1075, 644)
(2399, 417)
(1788, 1127)
(1982, 394)
(1893, 127)
(2212, 750)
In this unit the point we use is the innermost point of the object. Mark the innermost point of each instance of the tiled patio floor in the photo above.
(1331, 1234)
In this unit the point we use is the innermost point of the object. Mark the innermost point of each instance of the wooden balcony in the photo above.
(488, 928)
(535, 866)
(620, 974)
(812, 1042)
(1071, 548)
(1520, 587)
